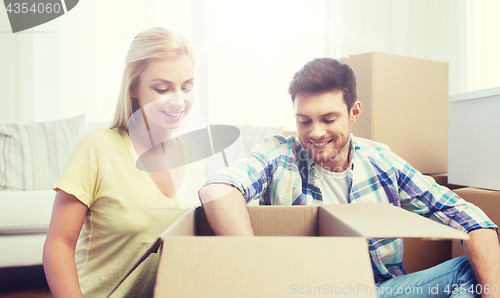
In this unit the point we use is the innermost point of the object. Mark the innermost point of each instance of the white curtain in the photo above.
(425, 29)
(247, 51)
(483, 45)
(462, 33)
(254, 48)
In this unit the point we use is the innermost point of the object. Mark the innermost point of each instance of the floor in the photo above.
(20, 282)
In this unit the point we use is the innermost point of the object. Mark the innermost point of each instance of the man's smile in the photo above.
(320, 145)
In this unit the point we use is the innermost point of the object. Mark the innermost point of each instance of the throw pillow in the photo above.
(32, 155)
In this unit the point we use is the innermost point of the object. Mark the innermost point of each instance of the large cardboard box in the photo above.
(487, 200)
(308, 250)
(474, 139)
(404, 105)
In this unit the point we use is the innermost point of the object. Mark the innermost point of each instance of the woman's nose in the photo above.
(175, 100)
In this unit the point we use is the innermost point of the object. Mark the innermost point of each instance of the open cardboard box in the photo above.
(291, 260)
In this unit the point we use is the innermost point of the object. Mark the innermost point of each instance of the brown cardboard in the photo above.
(421, 254)
(260, 267)
(284, 220)
(386, 221)
(404, 105)
(486, 200)
(287, 258)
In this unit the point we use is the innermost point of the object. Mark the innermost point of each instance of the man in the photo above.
(327, 165)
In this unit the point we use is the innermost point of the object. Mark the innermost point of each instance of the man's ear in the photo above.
(355, 112)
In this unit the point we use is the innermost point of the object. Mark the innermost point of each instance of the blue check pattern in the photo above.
(280, 172)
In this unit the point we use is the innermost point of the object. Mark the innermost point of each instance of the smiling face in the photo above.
(324, 127)
(164, 91)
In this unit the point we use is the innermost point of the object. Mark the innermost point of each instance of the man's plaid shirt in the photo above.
(280, 172)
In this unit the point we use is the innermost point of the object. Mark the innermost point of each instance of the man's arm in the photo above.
(483, 252)
(226, 192)
(482, 249)
(226, 210)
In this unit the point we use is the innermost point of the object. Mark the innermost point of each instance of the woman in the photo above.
(104, 201)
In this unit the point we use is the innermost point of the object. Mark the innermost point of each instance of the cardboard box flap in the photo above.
(374, 220)
(184, 226)
(264, 267)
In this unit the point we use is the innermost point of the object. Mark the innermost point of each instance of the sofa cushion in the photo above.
(25, 212)
(32, 155)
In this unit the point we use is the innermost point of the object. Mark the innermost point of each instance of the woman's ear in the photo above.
(134, 88)
(133, 92)
(355, 112)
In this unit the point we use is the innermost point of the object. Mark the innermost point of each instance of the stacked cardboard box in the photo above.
(404, 105)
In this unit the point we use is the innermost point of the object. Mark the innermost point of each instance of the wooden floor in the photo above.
(33, 293)
(21, 282)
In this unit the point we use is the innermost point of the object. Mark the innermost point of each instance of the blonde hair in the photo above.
(154, 43)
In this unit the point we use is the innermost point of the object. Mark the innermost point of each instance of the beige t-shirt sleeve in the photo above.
(85, 169)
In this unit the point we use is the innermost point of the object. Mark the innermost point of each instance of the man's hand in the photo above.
(483, 252)
(226, 210)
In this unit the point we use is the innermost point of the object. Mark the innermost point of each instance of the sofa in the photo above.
(32, 156)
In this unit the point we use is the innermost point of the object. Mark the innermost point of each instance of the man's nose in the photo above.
(317, 131)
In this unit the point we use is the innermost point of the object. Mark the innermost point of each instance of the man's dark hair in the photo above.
(322, 74)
